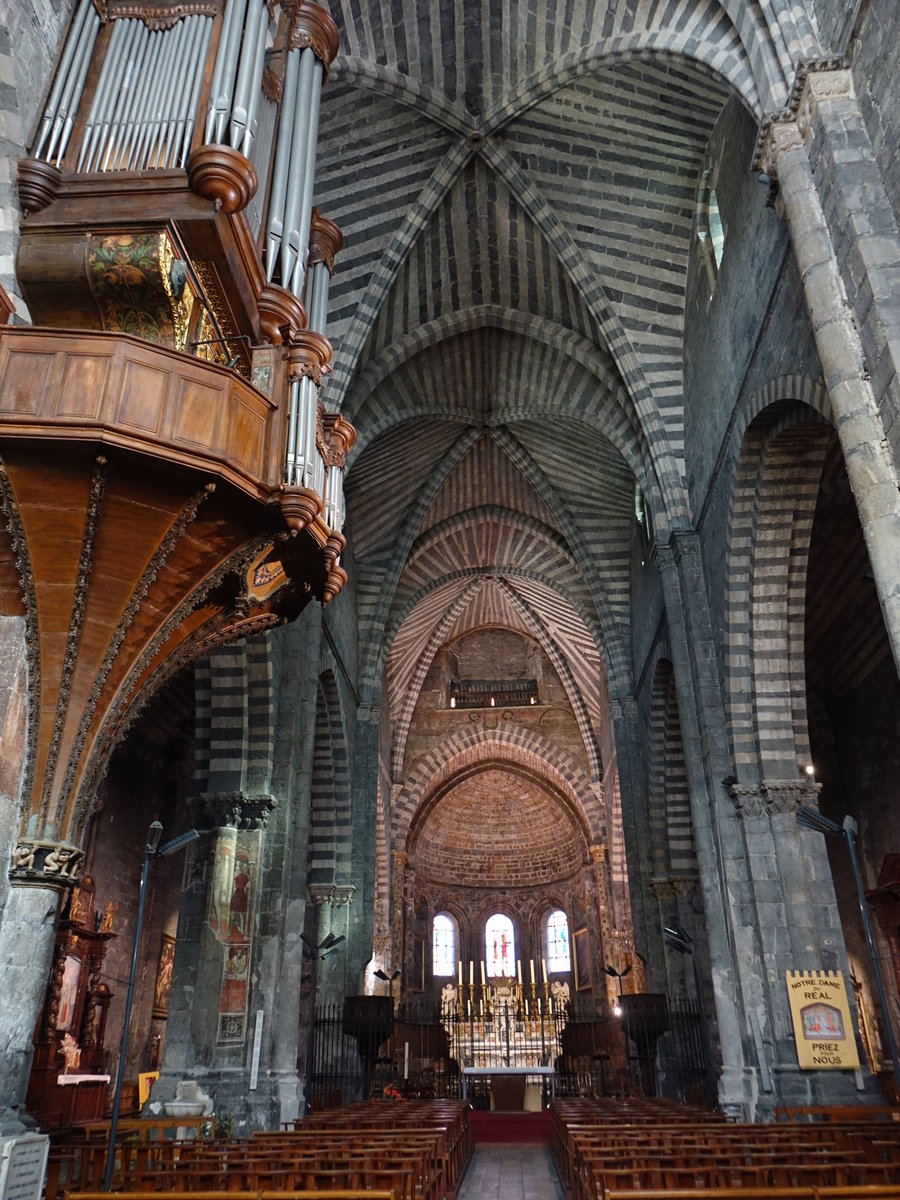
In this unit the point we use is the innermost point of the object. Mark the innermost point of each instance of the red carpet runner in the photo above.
(526, 1127)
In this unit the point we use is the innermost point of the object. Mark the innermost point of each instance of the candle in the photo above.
(460, 972)
(526, 1008)
(482, 972)
(471, 972)
(470, 1008)
(406, 1060)
(544, 968)
(519, 971)
(531, 964)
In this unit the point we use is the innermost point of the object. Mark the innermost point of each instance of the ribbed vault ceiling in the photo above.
(516, 185)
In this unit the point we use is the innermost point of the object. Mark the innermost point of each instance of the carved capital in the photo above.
(820, 86)
(342, 894)
(775, 139)
(400, 860)
(325, 240)
(44, 864)
(233, 809)
(674, 887)
(221, 174)
(772, 797)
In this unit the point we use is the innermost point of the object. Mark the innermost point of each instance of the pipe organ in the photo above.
(177, 275)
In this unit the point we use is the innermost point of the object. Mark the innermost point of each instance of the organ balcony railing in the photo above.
(169, 476)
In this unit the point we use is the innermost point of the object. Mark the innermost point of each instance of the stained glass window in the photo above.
(500, 946)
(558, 958)
(443, 946)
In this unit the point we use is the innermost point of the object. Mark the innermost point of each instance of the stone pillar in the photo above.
(364, 801)
(601, 894)
(296, 650)
(702, 717)
(829, 125)
(39, 874)
(635, 818)
(332, 904)
(789, 881)
(399, 925)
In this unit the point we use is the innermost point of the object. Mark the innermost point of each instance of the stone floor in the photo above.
(506, 1172)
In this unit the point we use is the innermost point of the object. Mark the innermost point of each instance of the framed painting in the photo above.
(164, 977)
(581, 954)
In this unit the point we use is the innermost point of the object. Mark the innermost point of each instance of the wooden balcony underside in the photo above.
(144, 529)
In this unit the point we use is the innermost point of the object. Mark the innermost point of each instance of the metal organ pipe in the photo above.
(184, 123)
(79, 32)
(308, 177)
(107, 86)
(249, 76)
(72, 87)
(292, 244)
(275, 224)
(133, 68)
(223, 73)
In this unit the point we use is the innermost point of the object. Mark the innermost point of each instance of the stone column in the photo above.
(399, 864)
(296, 649)
(364, 801)
(39, 875)
(829, 124)
(795, 908)
(633, 790)
(702, 716)
(602, 894)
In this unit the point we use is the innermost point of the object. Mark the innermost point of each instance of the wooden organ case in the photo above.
(68, 1084)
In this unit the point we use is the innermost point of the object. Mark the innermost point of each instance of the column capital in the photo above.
(400, 859)
(237, 809)
(675, 887)
(41, 863)
(822, 80)
(772, 797)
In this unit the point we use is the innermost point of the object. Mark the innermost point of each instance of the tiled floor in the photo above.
(511, 1173)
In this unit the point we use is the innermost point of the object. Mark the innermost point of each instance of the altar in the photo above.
(509, 1099)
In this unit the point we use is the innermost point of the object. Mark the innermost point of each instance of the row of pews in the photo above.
(383, 1150)
(656, 1150)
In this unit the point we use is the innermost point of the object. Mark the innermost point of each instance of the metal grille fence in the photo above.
(650, 1049)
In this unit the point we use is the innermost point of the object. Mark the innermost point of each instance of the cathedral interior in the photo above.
(449, 482)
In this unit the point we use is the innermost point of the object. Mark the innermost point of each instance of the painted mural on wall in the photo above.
(230, 918)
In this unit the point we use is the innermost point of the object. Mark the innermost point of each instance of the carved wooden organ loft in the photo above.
(169, 477)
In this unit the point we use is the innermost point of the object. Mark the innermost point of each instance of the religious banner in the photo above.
(823, 1030)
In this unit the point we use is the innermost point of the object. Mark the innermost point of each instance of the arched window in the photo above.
(443, 945)
(500, 946)
(558, 958)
